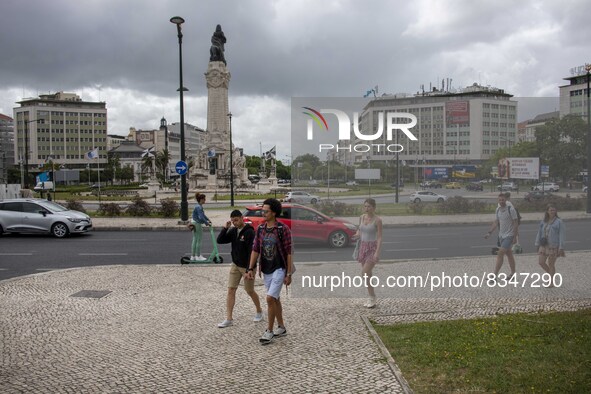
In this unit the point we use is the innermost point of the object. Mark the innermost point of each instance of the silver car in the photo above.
(301, 197)
(426, 196)
(32, 215)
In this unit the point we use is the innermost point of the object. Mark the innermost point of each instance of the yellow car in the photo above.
(453, 185)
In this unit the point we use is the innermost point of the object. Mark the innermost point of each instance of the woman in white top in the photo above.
(369, 234)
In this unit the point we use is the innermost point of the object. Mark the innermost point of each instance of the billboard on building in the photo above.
(519, 168)
(436, 173)
(367, 173)
(457, 112)
(463, 172)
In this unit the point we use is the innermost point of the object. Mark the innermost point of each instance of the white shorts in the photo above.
(274, 282)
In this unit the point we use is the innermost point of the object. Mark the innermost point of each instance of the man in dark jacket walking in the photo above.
(241, 236)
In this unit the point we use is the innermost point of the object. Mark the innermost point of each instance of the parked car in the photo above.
(431, 185)
(426, 196)
(307, 223)
(537, 195)
(453, 185)
(475, 186)
(546, 186)
(301, 197)
(34, 215)
(351, 183)
(508, 187)
(42, 186)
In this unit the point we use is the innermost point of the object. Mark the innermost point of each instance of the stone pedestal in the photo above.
(212, 182)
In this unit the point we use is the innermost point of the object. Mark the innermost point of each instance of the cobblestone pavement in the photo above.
(156, 329)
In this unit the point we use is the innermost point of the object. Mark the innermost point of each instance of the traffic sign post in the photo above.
(181, 167)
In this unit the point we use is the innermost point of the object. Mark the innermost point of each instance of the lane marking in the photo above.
(16, 254)
(102, 254)
(410, 250)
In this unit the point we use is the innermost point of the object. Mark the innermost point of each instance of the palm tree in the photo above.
(162, 160)
(147, 164)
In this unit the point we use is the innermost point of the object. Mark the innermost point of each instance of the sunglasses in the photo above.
(265, 211)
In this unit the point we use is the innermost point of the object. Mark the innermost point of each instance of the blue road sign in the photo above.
(181, 167)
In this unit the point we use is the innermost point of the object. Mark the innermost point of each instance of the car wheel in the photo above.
(1, 231)
(59, 230)
(440, 199)
(417, 200)
(338, 239)
(313, 201)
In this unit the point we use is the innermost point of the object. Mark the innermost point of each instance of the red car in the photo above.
(307, 223)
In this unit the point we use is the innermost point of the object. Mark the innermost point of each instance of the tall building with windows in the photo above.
(573, 97)
(60, 126)
(7, 159)
(464, 126)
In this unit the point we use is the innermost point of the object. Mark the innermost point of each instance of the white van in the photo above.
(42, 186)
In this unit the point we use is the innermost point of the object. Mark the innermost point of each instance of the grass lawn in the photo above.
(519, 353)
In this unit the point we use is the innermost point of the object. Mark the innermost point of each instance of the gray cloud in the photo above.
(279, 49)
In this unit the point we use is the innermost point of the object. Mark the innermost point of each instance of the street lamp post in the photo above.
(231, 165)
(588, 68)
(178, 21)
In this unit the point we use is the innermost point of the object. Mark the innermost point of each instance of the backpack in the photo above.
(516, 211)
(518, 214)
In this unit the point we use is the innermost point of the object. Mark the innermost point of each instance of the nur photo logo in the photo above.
(393, 121)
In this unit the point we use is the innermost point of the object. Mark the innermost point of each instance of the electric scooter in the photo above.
(214, 257)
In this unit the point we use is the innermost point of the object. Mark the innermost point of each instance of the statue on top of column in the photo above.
(216, 52)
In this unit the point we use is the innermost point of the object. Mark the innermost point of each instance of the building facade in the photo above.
(528, 134)
(7, 158)
(573, 97)
(461, 127)
(60, 126)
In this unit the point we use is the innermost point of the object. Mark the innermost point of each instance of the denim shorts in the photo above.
(507, 242)
(274, 282)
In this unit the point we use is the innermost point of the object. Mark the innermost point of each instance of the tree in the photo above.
(113, 165)
(146, 165)
(562, 144)
(162, 160)
(125, 174)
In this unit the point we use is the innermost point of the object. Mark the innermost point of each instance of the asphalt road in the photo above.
(28, 254)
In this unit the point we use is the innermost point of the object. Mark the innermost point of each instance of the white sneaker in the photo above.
(225, 323)
(193, 258)
(279, 331)
(266, 338)
(200, 258)
(370, 303)
(258, 316)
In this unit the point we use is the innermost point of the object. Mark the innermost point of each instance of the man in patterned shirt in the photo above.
(272, 244)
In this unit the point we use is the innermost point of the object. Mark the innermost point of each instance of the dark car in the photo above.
(431, 185)
(537, 195)
(475, 186)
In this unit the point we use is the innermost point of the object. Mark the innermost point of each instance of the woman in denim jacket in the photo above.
(197, 220)
(550, 240)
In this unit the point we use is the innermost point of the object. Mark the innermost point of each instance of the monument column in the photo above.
(217, 78)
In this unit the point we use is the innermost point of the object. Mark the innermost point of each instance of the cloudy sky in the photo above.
(125, 52)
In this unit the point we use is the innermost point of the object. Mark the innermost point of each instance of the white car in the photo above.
(584, 189)
(546, 187)
(301, 197)
(426, 196)
(351, 183)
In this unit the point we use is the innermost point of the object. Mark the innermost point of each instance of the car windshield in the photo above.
(53, 206)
